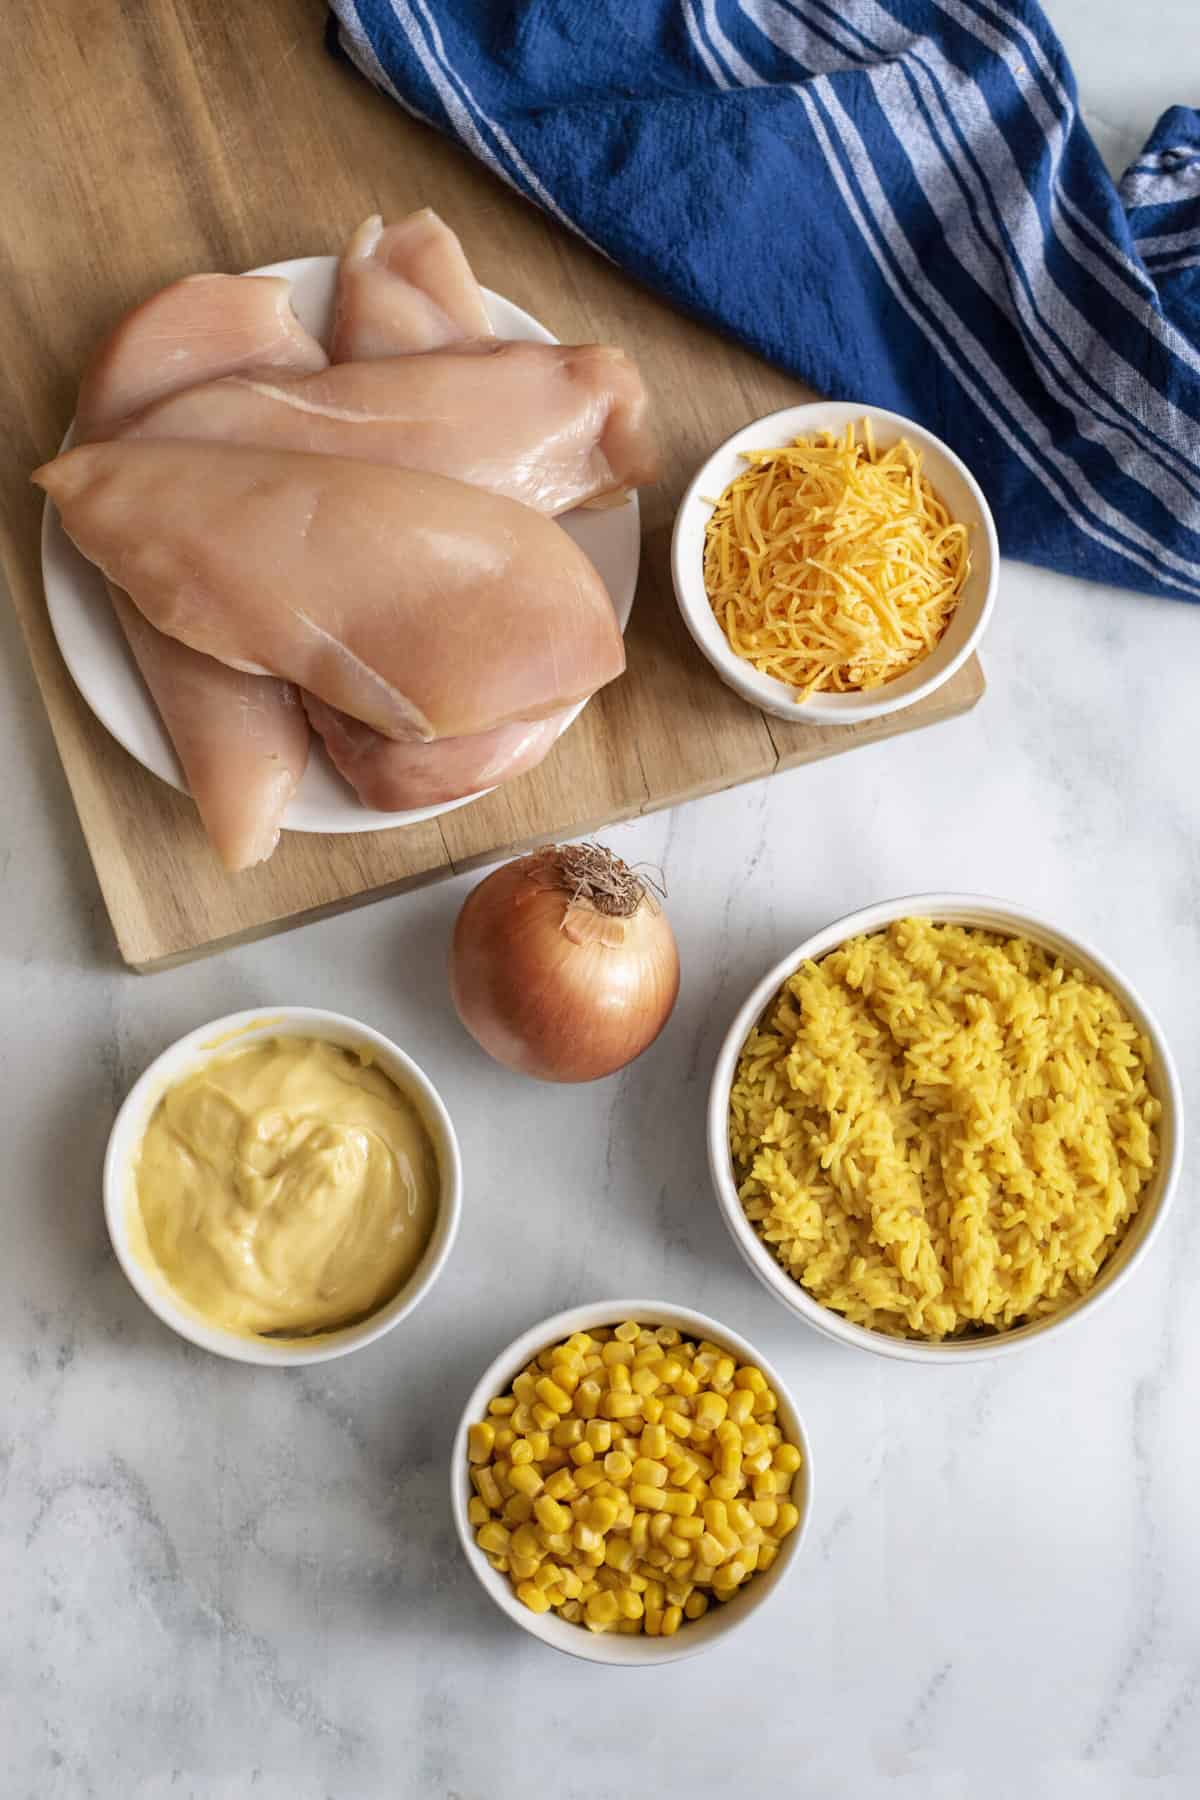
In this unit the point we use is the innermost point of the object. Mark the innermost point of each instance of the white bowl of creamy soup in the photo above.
(282, 1186)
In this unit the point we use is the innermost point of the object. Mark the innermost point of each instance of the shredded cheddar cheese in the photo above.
(832, 565)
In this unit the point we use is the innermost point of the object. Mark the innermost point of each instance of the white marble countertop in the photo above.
(222, 1582)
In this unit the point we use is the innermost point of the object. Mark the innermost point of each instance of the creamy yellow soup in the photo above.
(287, 1188)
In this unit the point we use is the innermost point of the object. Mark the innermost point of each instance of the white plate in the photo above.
(102, 666)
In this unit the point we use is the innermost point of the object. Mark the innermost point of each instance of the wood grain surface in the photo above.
(148, 139)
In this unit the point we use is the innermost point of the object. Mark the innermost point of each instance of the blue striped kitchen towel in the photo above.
(894, 199)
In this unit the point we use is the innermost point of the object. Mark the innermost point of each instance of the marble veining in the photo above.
(243, 1585)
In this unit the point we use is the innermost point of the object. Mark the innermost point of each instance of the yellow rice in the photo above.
(938, 1130)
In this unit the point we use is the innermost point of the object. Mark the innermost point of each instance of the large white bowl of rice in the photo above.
(942, 1128)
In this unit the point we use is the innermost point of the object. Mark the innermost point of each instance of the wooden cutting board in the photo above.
(147, 139)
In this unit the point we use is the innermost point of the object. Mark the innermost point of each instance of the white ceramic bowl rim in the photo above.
(1007, 918)
(966, 627)
(215, 1038)
(575, 1640)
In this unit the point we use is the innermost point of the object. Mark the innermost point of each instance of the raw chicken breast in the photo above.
(242, 740)
(547, 425)
(402, 288)
(204, 326)
(419, 605)
(378, 320)
(392, 777)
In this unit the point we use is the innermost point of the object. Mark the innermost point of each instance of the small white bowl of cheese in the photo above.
(952, 483)
(282, 1186)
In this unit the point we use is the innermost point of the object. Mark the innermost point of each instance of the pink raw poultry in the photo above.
(419, 605)
(241, 739)
(378, 318)
(550, 425)
(198, 328)
(406, 287)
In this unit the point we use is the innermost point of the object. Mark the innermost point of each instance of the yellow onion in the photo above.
(563, 965)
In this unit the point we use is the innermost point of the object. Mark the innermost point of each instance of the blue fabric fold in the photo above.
(896, 200)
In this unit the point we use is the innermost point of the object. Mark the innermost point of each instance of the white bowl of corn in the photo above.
(629, 1481)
